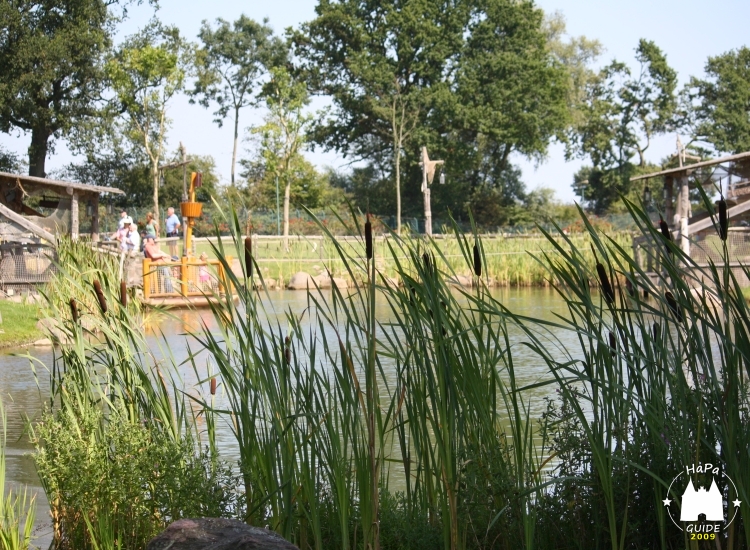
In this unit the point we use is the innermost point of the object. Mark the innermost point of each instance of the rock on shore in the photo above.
(217, 534)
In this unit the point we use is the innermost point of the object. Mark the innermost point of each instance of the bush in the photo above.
(130, 477)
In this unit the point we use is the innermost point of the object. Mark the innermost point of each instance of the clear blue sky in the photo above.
(688, 32)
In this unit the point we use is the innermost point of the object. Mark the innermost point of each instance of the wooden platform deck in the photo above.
(181, 302)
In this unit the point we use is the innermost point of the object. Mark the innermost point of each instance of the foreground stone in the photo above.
(217, 534)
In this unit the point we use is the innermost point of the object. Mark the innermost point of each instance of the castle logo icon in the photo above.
(702, 506)
(701, 501)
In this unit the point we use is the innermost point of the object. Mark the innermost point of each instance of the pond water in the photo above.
(23, 397)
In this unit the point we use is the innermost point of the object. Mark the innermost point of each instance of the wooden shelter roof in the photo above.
(64, 185)
(691, 167)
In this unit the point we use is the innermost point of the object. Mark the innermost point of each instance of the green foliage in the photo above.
(146, 72)
(170, 193)
(51, 60)
(719, 105)
(17, 510)
(230, 65)
(96, 468)
(474, 81)
(621, 115)
(9, 162)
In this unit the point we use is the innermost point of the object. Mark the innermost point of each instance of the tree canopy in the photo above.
(230, 64)
(720, 103)
(51, 54)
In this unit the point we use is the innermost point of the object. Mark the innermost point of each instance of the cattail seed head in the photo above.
(609, 293)
(657, 331)
(249, 256)
(477, 262)
(645, 294)
(213, 386)
(368, 238)
(123, 294)
(672, 303)
(287, 350)
(723, 222)
(74, 310)
(100, 296)
(427, 261)
(613, 342)
(665, 233)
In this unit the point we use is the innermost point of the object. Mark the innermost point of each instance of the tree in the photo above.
(283, 133)
(230, 64)
(719, 105)
(473, 80)
(381, 63)
(621, 115)
(146, 73)
(51, 55)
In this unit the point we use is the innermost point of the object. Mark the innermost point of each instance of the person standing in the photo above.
(173, 230)
(152, 226)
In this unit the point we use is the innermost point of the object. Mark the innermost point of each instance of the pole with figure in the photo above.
(428, 174)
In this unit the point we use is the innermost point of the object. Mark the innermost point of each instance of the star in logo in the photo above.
(736, 502)
(667, 502)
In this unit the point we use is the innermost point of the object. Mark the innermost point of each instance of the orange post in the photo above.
(146, 279)
(184, 275)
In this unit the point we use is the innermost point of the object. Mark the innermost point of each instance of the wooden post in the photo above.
(668, 204)
(146, 279)
(184, 276)
(95, 219)
(684, 214)
(74, 215)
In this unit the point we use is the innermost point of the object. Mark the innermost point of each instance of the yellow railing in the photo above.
(184, 278)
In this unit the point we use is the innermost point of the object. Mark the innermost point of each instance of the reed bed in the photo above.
(510, 261)
(657, 381)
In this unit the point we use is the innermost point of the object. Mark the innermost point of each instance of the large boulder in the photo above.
(217, 534)
(301, 281)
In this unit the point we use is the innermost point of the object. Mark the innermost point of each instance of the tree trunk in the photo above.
(38, 151)
(287, 194)
(234, 149)
(397, 155)
(155, 178)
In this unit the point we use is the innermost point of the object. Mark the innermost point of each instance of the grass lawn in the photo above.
(19, 324)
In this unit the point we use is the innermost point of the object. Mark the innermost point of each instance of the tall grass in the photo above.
(17, 508)
(509, 261)
(655, 380)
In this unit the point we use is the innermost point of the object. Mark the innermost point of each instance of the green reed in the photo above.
(17, 509)
(656, 379)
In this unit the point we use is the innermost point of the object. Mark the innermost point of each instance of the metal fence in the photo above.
(709, 247)
(26, 264)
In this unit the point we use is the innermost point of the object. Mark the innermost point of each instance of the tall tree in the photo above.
(51, 54)
(283, 133)
(719, 105)
(381, 62)
(229, 67)
(622, 114)
(146, 73)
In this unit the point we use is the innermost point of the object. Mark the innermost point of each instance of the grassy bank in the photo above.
(648, 378)
(19, 324)
(510, 261)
